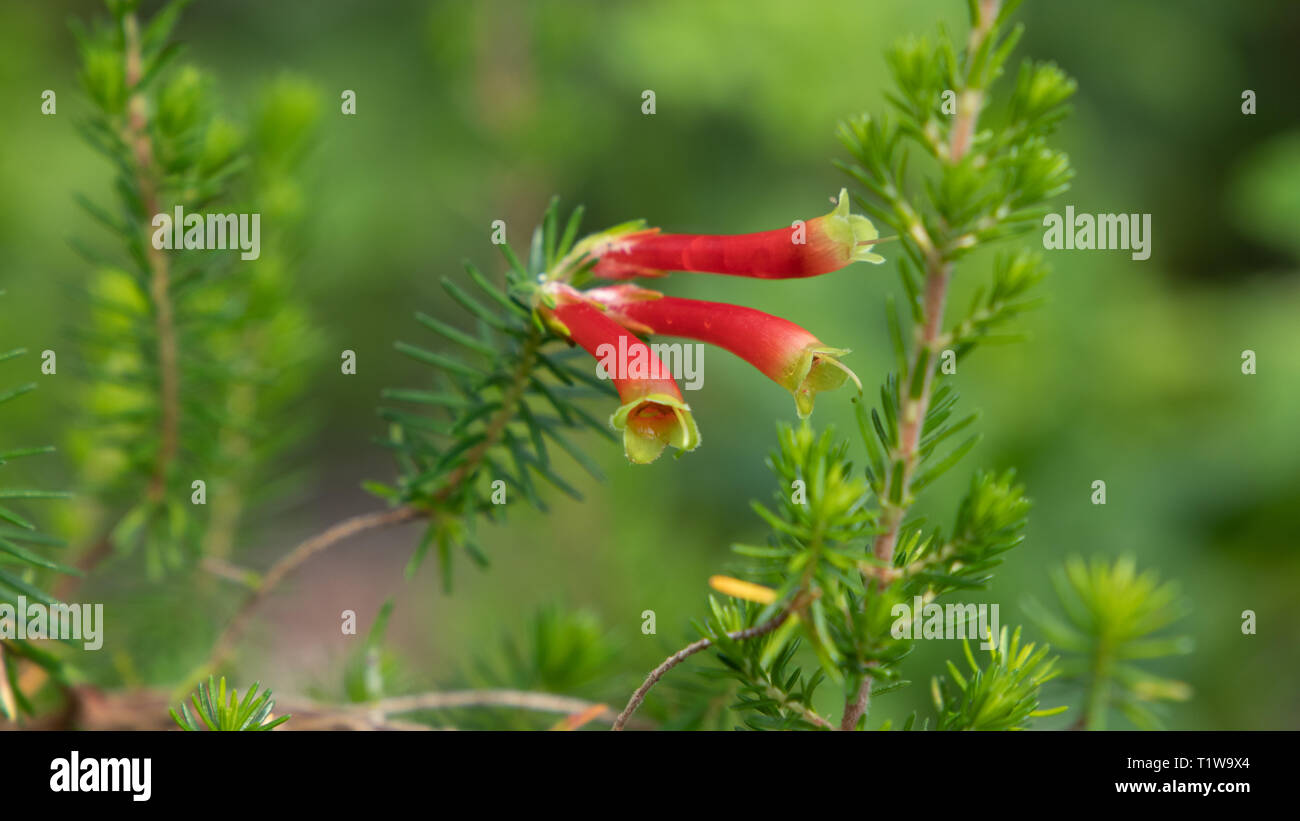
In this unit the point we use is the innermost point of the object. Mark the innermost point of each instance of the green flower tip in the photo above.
(852, 232)
(819, 369)
(653, 422)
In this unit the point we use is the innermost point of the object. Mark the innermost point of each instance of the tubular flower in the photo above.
(653, 414)
(786, 353)
(805, 249)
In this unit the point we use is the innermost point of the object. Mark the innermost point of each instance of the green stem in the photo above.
(1098, 698)
(915, 390)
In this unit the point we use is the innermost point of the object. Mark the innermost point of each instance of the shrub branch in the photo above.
(919, 382)
(136, 136)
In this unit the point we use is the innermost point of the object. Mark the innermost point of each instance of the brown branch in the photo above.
(885, 575)
(691, 649)
(222, 569)
(855, 706)
(514, 699)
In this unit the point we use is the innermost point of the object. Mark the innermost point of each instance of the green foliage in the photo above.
(818, 548)
(493, 411)
(990, 520)
(216, 711)
(819, 552)
(1003, 695)
(193, 359)
(773, 694)
(882, 434)
(1113, 616)
(817, 535)
(24, 565)
(1014, 275)
(266, 338)
(996, 187)
(368, 670)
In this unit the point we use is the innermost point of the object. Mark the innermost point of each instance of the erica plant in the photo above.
(192, 382)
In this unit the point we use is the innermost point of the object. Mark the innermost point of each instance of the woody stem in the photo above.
(916, 388)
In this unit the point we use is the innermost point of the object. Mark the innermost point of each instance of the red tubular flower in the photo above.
(653, 414)
(806, 249)
(786, 353)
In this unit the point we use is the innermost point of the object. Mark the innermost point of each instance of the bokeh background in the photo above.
(467, 113)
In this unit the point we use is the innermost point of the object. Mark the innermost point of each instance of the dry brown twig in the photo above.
(89, 708)
(800, 601)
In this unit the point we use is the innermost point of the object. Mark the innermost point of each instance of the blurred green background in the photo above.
(467, 113)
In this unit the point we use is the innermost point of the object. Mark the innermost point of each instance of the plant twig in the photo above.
(137, 137)
(7, 700)
(911, 422)
(514, 699)
(912, 418)
(806, 713)
(689, 650)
